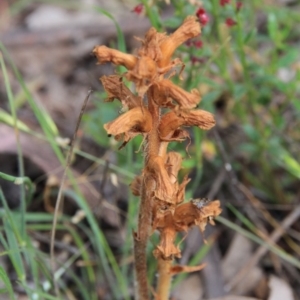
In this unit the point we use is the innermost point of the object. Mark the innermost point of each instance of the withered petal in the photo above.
(189, 29)
(176, 118)
(211, 209)
(168, 124)
(198, 117)
(185, 216)
(186, 269)
(151, 44)
(173, 165)
(105, 54)
(164, 187)
(181, 189)
(115, 88)
(136, 120)
(166, 248)
(143, 74)
(183, 98)
(136, 185)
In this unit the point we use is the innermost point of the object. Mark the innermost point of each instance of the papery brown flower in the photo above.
(188, 214)
(198, 117)
(143, 74)
(173, 165)
(164, 188)
(181, 190)
(105, 54)
(116, 89)
(189, 29)
(176, 118)
(183, 98)
(211, 209)
(185, 216)
(136, 121)
(166, 248)
(151, 44)
(207, 213)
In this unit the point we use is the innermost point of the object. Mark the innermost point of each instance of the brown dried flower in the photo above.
(162, 195)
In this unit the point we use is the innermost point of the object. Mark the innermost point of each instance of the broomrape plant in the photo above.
(162, 196)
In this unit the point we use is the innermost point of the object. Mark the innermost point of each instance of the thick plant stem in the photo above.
(145, 212)
(164, 278)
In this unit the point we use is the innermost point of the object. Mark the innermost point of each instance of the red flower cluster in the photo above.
(197, 43)
(239, 5)
(224, 2)
(138, 9)
(203, 16)
(230, 22)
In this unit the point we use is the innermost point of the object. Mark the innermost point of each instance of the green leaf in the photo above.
(7, 282)
(289, 163)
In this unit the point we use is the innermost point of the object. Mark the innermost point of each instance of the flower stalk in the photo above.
(162, 206)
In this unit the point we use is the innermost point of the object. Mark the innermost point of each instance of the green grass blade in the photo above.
(8, 119)
(289, 163)
(7, 283)
(104, 250)
(47, 125)
(293, 261)
(19, 149)
(120, 35)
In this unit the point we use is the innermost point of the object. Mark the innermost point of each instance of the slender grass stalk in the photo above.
(19, 149)
(59, 196)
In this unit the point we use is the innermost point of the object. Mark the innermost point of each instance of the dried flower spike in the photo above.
(162, 206)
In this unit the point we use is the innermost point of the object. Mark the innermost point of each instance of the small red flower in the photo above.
(138, 9)
(224, 2)
(198, 44)
(230, 22)
(239, 5)
(203, 16)
(188, 43)
(194, 60)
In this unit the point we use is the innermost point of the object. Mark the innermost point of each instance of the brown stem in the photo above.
(145, 212)
(164, 279)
